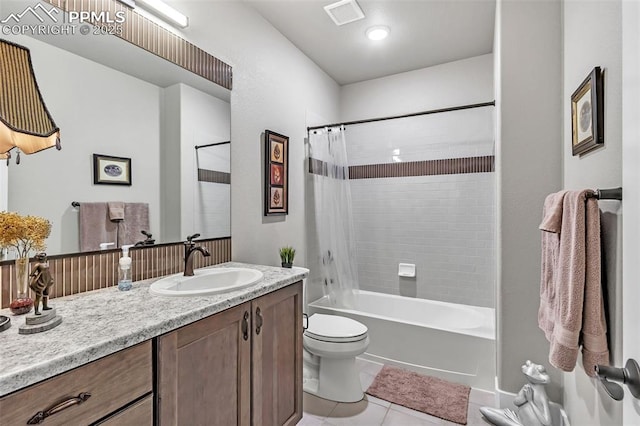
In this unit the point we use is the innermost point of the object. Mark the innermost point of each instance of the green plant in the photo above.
(287, 254)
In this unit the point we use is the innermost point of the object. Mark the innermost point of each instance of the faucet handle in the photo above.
(191, 237)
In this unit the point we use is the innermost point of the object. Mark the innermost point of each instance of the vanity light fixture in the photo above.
(378, 32)
(163, 10)
(25, 122)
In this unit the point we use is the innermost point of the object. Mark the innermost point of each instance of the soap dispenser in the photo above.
(124, 270)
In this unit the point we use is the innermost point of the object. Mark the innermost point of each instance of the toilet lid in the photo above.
(333, 328)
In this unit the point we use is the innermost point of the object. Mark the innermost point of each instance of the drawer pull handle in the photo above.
(245, 326)
(69, 402)
(258, 321)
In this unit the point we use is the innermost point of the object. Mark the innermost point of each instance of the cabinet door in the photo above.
(277, 357)
(204, 371)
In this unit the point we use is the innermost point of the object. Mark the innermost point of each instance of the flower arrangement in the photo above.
(24, 233)
(286, 256)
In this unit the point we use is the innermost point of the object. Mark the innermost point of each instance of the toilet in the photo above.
(331, 345)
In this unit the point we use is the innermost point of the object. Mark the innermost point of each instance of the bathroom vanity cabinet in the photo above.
(111, 383)
(224, 360)
(241, 366)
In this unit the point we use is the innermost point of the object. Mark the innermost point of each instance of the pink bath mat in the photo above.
(437, 397)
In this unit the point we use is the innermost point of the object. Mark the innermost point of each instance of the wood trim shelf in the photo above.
(81, 272)
(148, 35)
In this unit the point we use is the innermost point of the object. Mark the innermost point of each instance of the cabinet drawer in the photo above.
(112, 381)
(139, 414)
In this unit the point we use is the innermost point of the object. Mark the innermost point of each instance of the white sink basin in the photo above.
(207, 281)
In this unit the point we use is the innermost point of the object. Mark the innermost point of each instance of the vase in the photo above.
(22, 304)
(286, 265)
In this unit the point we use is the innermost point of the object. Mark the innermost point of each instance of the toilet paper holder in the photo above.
(629, 375)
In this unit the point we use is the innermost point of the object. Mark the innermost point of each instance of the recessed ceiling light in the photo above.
(377, 33)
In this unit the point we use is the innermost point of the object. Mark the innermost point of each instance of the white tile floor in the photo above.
(373, 411)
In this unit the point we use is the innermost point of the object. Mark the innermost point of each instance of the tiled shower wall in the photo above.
(439, 215)
(81, 272)
(212, 196)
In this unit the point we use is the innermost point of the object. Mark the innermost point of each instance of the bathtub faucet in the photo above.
(189, 249)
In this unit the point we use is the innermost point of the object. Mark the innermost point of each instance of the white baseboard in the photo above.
(504, 399)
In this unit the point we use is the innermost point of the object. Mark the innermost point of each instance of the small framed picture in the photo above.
(587, 114)
(276, 192)
(109, 170)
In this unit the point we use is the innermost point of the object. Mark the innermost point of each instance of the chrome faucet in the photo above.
(190, 248)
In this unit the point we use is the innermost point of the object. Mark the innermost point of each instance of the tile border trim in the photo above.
(447, 166)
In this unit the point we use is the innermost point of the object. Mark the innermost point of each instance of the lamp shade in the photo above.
(25, 122)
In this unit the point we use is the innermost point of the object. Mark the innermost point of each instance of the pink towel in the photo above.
(95, 226)
(136, 220)
(571, 303)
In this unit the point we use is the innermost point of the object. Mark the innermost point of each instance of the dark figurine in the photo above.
(40, 282)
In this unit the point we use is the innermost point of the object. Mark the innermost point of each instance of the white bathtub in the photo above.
(451, 341)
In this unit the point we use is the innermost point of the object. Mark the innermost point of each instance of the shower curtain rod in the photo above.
(211, 144)
(413, 114)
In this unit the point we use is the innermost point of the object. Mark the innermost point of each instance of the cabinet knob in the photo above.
(258, 321)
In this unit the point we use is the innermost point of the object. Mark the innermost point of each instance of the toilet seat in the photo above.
(335, 329)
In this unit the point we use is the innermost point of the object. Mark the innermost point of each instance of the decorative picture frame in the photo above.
(110, 170)
(276, 174)
(587, 114)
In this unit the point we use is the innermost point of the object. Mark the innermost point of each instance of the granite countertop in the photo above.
(102, 322)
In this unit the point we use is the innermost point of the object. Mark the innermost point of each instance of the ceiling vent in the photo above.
(344, 11)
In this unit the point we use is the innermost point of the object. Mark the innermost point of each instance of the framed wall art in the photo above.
(587, 114)
(276, 168)
(109, 170)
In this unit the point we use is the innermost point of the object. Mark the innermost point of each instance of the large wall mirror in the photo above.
(112, 98)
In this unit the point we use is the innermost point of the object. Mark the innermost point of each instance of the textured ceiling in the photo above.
(423, 33)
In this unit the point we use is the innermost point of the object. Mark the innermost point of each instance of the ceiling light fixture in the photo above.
(164, 11)
(377, 33)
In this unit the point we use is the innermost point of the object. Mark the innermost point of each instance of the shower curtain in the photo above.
(333, 215)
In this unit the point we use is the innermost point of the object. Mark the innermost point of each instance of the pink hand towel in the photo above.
(136, 220)
(116, 210)
(571, 303)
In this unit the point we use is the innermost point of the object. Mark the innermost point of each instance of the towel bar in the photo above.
(629, 375)
(607, 194)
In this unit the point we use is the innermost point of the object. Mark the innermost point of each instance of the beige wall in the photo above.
(99, 111)
(542, 50)
(528, 87)
(600, 46)
(463, 82)
(275, 87)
